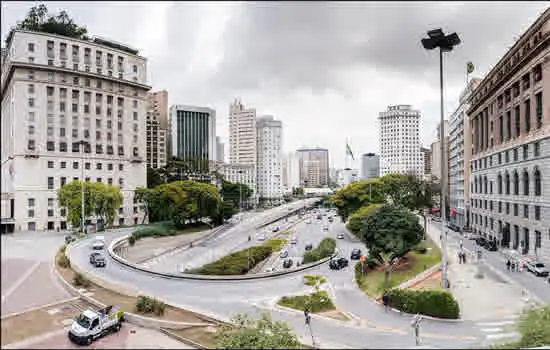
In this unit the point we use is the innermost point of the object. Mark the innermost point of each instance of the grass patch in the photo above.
(315, 302)
(276, 244)
(372, 282)
(201, 335)
(165, 229)
(238, 263)
(312, 280)
(285, 233)
(147, 305)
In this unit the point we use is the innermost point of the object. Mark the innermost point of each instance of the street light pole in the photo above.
(82, 188)
(9, 158)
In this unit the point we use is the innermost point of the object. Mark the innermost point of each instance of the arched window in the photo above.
(507, 182)
(538, 182)
(475, 184)
(525, 183)
(499, 183)
(516, 183)
(485, 184)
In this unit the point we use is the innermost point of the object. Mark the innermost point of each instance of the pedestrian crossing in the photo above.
(503, 329)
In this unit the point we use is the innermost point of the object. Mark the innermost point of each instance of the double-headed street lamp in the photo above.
(445, 43)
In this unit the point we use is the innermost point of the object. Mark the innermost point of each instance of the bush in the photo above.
(534, 327)
(147, 305)
(62, 249)
(434, 303)
(311, 280)
(323, 250)
(132, 240)
(81, 281)
(317, 301)
(238, 263)
(276, 244)
(63, 261)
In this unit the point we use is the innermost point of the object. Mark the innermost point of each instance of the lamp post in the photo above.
(9, 158)
(445, 43)
(81, 145)
(240, 191)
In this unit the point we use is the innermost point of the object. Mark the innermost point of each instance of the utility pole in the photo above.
(82, 188)
(443, 159)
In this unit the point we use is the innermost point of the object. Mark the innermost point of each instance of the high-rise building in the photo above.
(400, 141)
(370, 166)
(427, 159)
(157, 129)
(460, 141)
(436, 150)
(241, 174)
(57, 92)
(242, 134)
(510, 121)
(291, 172)
(193, 133)
(269, 158)
(220, 150)
(314, 167)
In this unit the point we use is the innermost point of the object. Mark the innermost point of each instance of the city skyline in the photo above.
(298, 94)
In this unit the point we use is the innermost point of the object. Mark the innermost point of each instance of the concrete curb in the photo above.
(40, 307)
(114, 244)
(420, 277)
(445, 320)
(130, 317)
(182, 339)
(314, 315)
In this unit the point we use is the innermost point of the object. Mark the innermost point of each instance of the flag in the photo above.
(470, 67)
(349, 152)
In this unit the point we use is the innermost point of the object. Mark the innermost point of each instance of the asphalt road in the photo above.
(537, 286)
(223, 299)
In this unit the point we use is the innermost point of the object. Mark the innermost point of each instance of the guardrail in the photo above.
(122, 240)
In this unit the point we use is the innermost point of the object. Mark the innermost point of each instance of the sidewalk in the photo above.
(479, 298)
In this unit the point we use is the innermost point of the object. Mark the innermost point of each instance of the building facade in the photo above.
(56, 92)
(242, 134)
(510, 165)
(400, 141)
(370, 166)
(314, 167)
(291, 172)
(220, 150)
(459, 160)
(427, 159)
(157, 129)
(193, 134)
(269, 158)
(242, 174)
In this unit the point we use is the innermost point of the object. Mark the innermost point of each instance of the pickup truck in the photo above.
(91, 325)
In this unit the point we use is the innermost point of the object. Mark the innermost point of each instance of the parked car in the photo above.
(491, 245)
(287, 263)
(340, 236)
(91, 324)
(284, 254)
(537, 268)
(355, 254)
(337, 264)
(270, 269)
(309, 246)
(276, 229)
(330, 219)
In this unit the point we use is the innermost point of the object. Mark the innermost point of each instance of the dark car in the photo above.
(99, 261)
(287, 263)
(337, 264)
(93, 256)
(355, 254)
(309, 246)
(481, 241)
(490, 245)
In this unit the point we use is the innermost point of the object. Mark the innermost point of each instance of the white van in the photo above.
(99, 243)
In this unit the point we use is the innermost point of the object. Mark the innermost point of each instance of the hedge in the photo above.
(160, 230)
(323, 250)
(276, 244)
(238, 263)
(434, 303)
(317, 301)
(147, 305)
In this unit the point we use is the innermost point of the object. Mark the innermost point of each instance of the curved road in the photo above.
(371, 327)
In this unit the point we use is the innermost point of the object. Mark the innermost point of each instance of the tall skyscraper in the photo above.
(157, 129)
(220, 150)
(291, 171)
(510, 146)
(370, 166)
(193, 133)
(269, 157)
(427, 160)
(436, 150)
(459, 144)
(52, 100)
(314, 167)
(400, 141)
(242, 134)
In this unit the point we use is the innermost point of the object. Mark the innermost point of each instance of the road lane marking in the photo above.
(446, 336)
(502, 335)
(492, 330)
(20, 281)
(492, 324)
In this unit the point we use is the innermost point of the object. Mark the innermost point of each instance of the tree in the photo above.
(153, 204)
(235, 192)
(400, 189)
(298, 191)
(534, 327)
(37, 20)
(247, 333)
(356, 219)
(101, 200)
(356, 195)
(154, 177)
(389, 232)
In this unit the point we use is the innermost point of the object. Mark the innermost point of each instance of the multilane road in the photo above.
(371, 327)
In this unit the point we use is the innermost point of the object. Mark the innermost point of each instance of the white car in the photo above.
(99, 243)
(261, 238)
(340, 236)
(308, 221)
(537, 268)
(293, 240)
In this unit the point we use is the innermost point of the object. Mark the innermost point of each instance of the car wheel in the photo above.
(117, 327)
(89, 340)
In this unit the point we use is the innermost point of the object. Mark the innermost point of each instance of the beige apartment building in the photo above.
(313, 165)
(158, 142)
(510, 165)
(242, 134)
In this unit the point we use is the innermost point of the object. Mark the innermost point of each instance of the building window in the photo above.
(525, 183)
(99, 166)
(516, 209)
(30, 213)
(516, 183)
(30, 202)
(536, 148)
(515, 153)
(109, 166)
(63, 181)
(99, 149)
(525, 211)
(50, 212)
(75, 147)
(120, 167)
(537, 212)
(538, 98)
(75, 165)
(525, 152)
(538, 183)
(50, 164)
(50, 183)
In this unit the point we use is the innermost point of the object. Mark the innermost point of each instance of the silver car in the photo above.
(537, 268)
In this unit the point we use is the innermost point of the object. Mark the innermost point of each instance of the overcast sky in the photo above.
(324, 69)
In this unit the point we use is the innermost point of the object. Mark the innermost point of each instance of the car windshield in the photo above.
(83, 321)
(539, 265)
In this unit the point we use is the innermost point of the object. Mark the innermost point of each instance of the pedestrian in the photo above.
(385, 301)
(464, 258)
(461, 244)
(513, 266)
(459, 257)
(508, 263)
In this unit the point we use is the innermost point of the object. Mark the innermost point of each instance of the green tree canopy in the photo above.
(154, 177)
(356, 219)
(356, 195)
(264, 333)
(389, 232)
(101, 200)
(235, 191)
(534, 327)
(38, 20)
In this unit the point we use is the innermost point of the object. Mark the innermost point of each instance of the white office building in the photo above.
(220, 150)
(242, 134)
(269, 157)
(56, 92)
(241, 174)
(400, 141)
(291, 172)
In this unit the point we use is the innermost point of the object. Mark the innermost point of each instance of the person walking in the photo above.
(508, 264)
(415, 324)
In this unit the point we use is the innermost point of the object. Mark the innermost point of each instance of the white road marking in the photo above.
(514, 317)
(502, 335)
(492, 330)
(20, 281)
(492, 324)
